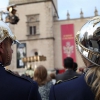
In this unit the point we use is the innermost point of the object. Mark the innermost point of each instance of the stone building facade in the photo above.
(40, 29)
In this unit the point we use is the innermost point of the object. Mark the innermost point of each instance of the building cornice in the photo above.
(49, 38)
(74, 19)
(27, 2)
(55, 8)
(19, 3)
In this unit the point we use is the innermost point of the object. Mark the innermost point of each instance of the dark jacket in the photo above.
(13, 87)
(75, 89)
(68, 74)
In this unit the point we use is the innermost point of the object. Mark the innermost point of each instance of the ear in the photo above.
(2, 47)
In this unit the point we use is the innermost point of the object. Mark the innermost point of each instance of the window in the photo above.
(32, 30)
(32, 24)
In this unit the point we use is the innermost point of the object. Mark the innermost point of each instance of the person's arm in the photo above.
(52, 94)
(34, 94)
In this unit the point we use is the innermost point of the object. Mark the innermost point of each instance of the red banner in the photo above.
(68, 42)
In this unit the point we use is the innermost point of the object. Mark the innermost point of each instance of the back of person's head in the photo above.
(52, 75)
(40, 75)
(75, 66)
(68, 62)
(88, 44)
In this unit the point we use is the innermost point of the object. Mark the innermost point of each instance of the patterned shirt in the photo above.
(44, 90)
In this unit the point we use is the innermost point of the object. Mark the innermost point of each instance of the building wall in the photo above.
(45, 29)
(44, 41)
(78, 23)
(24, 1)
(56, 4)
(48, 41)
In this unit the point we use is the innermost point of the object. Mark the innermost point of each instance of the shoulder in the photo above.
(66, 88)
(14, 77)
(67, 84)
(59, 75)
(49, 84)
(61, 81)
(22, 85)
(77, 74)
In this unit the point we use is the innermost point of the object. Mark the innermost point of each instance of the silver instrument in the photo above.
(6, 32)
(88, 40)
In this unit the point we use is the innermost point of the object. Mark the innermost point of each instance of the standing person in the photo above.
(12, 86)
(41, 77)
(69, 73)
(53, 76)
(87, 86)
(75, 66)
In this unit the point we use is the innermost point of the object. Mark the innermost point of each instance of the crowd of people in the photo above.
(69, 85)
(46, 81)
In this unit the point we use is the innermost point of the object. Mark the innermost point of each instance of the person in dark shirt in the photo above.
(12, 86)
(87, 86)
(69, 73)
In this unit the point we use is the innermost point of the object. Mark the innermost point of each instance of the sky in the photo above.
(72, 6)
(3, 4)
